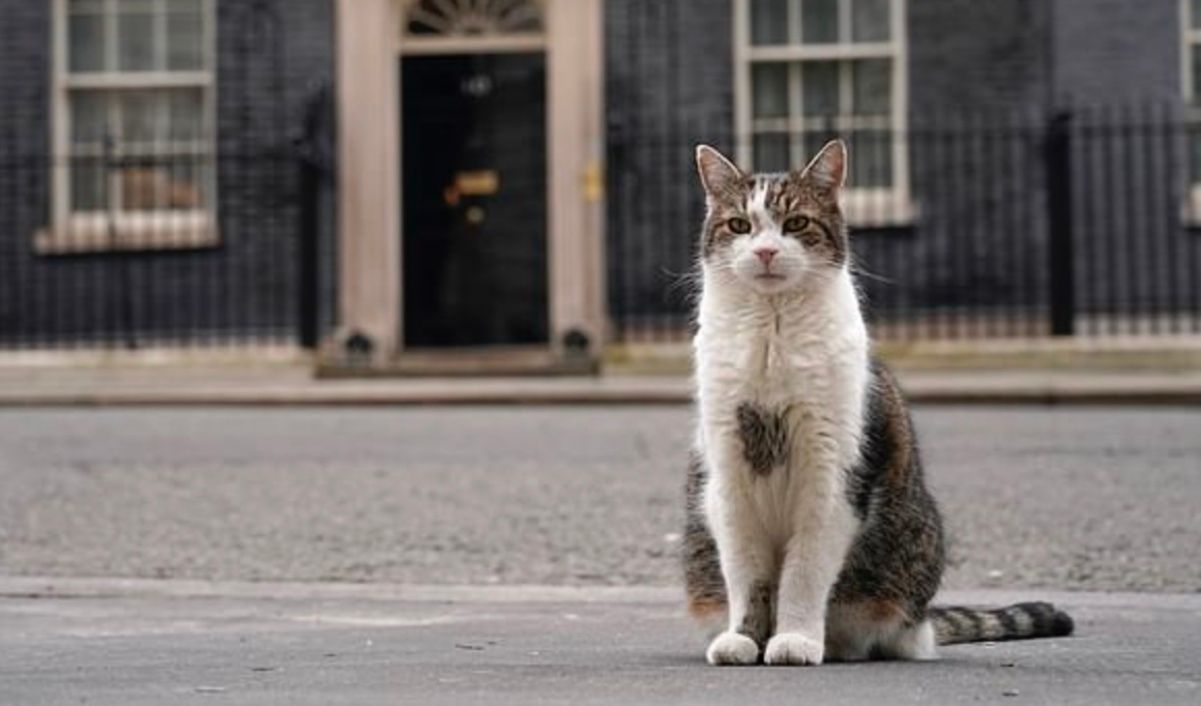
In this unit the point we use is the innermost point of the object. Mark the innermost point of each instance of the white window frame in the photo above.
(1189, 38)
(866, 206)
(74, 232)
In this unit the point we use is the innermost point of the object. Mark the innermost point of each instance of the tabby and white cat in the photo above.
(810, 532)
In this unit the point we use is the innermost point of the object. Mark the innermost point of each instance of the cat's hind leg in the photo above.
(913, 642)
(876, 629)
(703, 581)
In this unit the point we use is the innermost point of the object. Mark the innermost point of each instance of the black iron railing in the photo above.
(1006, 224)
(1083, 222)
(148, 250)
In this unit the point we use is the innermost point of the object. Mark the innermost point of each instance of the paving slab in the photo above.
(146, 642)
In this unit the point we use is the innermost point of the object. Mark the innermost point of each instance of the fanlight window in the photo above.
(474, 17)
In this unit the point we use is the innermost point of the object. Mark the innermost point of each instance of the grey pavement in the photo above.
(270, 555)
(1094, 498)
(128, 645)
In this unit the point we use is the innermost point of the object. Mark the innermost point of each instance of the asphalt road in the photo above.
(486, 646)
(1067, 498)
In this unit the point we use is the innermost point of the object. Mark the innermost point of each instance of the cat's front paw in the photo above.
(732, 648)
(793, 648)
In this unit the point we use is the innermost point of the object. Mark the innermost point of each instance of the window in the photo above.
(472, 18)
(1191, 71)
(1191, 32)
(809, 70)
(452, 26)
(133, 130)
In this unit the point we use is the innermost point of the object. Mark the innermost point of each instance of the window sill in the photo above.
(1191, 217)
(128, 232)
(879, 208)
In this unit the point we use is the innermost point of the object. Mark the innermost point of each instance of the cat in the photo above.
(809, 531)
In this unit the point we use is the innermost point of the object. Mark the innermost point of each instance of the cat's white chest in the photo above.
(806, 373)
(817, 388)
(808, 369)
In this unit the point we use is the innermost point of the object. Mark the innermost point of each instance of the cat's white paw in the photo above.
(732, 648)
(793, 648)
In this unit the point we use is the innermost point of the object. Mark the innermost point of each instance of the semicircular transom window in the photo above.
(473, 18)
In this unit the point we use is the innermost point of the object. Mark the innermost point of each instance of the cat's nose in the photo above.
(765, 254)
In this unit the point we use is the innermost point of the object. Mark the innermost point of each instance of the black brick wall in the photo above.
(1117, 62)
(978, 73)
(272, 57)
(669, 85)
(1116, 50)
(984, 78)
(978, 53)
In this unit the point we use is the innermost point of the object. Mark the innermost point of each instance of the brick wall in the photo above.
(669, 85)
(1116, 50)
(272, 56)
(979, 53)
(996, 69)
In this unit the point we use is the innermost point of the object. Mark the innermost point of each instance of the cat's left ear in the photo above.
(828, 169)
(719, 176)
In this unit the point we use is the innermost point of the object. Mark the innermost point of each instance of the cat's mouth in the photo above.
(770, 276)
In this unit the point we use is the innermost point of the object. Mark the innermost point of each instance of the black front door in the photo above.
(474, 199)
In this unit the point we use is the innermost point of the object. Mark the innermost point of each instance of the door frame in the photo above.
(370, 45)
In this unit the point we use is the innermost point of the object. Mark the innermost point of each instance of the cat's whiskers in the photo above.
(859, 271)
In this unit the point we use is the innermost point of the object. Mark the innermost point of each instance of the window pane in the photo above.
(185, 115)
(89, 184)
(871, 158)
(137, 6)
(1196, 74)
(186, 184)
(769, 21)
(185, 40)
(869, 20)
(819, 87)
(819, 21)
(139, 188)
(85, 39)
(141, 119)
(771, 152)
(167, 184)
(173, 182)
(194, 7)
(873, 86)
(135, 39)
(89, 118)
(770, 88)
(1194, 143)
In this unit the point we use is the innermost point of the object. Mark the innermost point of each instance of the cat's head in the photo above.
(774, 232)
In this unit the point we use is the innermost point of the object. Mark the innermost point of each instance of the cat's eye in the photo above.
(796, 224)
(739, 225)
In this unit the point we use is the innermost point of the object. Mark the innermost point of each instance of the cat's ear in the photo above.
(828, 169)
(719, 176)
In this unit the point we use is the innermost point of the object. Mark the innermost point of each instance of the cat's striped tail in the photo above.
(1022, 621)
